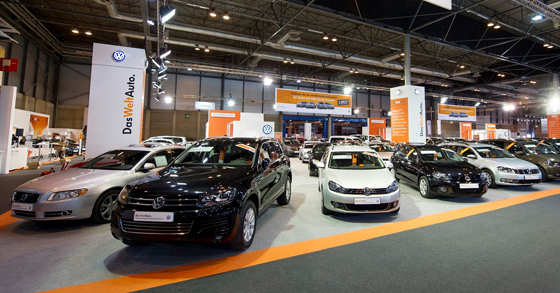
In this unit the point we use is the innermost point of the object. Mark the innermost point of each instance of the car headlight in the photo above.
(68, 194)
(442, 177)
(124, 194)
(217, 198)
(393, 187)
(505, 169)
(336, 187)
(553, 163)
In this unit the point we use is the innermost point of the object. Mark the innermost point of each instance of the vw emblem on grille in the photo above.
(467, 178)
(119, 55)
(368, 191)
(158, 202)
(24, 197)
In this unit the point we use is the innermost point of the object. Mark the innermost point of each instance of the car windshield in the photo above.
(116, 160)
(537, 148)
(291, 141)
(439, 155)
(219, 153)
(492, 152)
(337, 139)
(177, 140)
(355, 160)
(320, 149)
(382, 148)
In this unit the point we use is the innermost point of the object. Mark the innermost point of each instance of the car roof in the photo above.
(148, 147)
(345, 148)
(240, 139)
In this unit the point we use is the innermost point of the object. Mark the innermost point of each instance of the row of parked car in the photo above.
(312, 105)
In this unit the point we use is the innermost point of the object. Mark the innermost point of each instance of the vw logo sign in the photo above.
(267, 129)
(24, 197)
(467, 178)
(368, 191)
(158, 202)
(119, 55)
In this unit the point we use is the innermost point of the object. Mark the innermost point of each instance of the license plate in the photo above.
(22, 206)
(468, 185)
(373, 200)
(532, 177)
(153, 217)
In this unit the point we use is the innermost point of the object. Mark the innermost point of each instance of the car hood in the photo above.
(513, 163)
(453, 167)
(197, 180)
(72, 179)
(378, 178)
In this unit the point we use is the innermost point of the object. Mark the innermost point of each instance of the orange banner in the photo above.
(457, 113)
(377, 126)
(399, 120)
(553, 122)
(313, 102)
(218, 121)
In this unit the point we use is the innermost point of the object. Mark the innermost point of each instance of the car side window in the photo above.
(413, 156)
(465, 151)
(160, 159)
(515, 149)
(175, 153)
(264, 152)
(279, 150)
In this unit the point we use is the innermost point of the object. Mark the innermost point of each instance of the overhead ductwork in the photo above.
(114, 13)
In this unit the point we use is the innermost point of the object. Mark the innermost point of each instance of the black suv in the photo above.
(438, 171)
(212, 192)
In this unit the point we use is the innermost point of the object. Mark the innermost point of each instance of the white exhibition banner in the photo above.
(408, 114)
(116, 98)
(312, 102)
(456, 113)
(7, 106)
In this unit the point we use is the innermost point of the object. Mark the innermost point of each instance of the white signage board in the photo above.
(116, 98)
(408, 114)
(204, 105)
(441, 3)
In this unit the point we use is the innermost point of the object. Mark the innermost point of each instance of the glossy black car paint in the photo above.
(317, 154)
(261, 185)
(410, 170)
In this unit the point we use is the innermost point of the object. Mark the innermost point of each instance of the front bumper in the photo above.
(344, 203)
(202, 225)
(305, 156)
(552, 172)
(511, 179)
(70, 209)
(454, 188)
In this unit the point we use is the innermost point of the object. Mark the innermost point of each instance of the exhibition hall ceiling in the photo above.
(352, 42)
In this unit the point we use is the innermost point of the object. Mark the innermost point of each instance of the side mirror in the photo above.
(471, 156)
(148, 167)
(265, 163)
(320, 164)
(389, 165)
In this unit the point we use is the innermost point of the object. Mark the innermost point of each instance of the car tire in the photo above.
(246, 227)
(424, 187)
(284, 199)
(103, 207)
(543, 174)
(134, 243)
(324, 210)
(490, 178)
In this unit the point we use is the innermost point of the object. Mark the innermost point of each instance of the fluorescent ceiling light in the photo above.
(168, 100)
(477, 104)
(537, 17)
(443, 100)
(150, 22)
(267, 80)
(163, 53)
(166, 12)
(347, 90)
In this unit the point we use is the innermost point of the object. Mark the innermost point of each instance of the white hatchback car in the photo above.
(305, 150)
(354, 179)
(91, 190)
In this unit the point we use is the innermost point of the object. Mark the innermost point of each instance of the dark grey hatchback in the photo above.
(213, 192)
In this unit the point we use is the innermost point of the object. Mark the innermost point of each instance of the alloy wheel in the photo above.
(107, 206)
(249, 225)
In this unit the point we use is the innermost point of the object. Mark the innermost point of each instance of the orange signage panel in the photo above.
(218, 121)
(466, 130)
(313, 102)
(375, 125)
(399, 120)
(553, 125)
(491, 127)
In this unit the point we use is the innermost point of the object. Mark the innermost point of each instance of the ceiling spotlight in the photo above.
(196, 47)
(267, 80)
(292, 62)
(389, 113)
(231, 102)
(462, 66)
(402, 54)
(356, 70)
(162, 76)
(166, 12)
(532, 82)
(162, 69)
(477, 90)
(206, 49)
(546, 45)
(347, 90)
(163, 53)
(497, 26)
(189, 69)
(285, 60)
(298, 81)
(75, 30)
(161, 91)
(443, 100)
(225, 16)
(334, 39)
(168, 100)
(356, 111)
(156, 98)
(325, 36)
(537, 17)
(550, 46)
(491, 24)
(88, 32)
(503, 94)
(509, 107)
(212, 13)
(150, 22)
(477, 104)
(351, 70)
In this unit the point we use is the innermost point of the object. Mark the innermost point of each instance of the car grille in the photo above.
(367, 207)
(26, 197)
(171, 202)
(213, 224)
(462, 178)
(361, 191)
(526, 171)
(156, 227)
(24, 214)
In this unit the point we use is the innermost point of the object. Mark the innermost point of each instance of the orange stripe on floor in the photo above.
(227, 264)
(6, 219)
